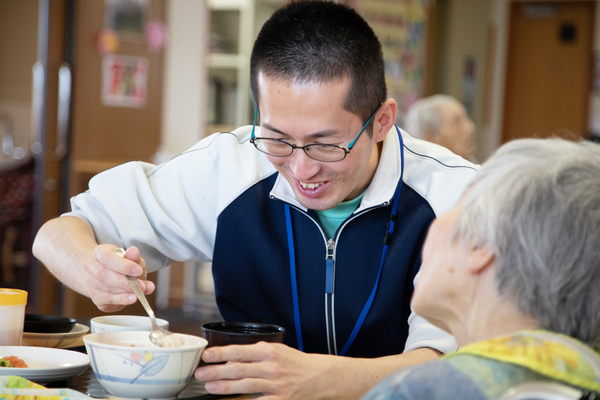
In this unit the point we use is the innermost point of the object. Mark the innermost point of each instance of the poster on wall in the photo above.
(126, 17)
(124, 81)
(401, 28)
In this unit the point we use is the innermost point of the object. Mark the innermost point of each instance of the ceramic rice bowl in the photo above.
(128, 365)
(113, 323)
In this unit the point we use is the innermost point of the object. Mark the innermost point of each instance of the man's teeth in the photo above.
(311, 185)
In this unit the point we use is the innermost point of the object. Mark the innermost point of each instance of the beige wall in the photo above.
(185, 76)
(461, 32)
(490, 134)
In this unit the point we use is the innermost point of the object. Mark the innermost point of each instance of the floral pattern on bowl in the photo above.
(127, 364)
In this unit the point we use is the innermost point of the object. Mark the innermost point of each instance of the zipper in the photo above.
(329, 293)
(330, 267)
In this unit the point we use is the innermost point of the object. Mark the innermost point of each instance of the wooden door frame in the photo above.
(52, 31)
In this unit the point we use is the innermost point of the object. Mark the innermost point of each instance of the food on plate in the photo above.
(173, 341)
(12, 362)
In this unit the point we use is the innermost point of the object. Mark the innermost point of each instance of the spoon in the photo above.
(159, 336)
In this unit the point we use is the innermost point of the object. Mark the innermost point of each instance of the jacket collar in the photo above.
(380, 190)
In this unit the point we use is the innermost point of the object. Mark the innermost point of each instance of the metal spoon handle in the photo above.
(140, 295)
(137, 289)
(157, 334)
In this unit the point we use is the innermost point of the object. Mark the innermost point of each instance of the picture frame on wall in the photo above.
(124, 81)
(126, 17)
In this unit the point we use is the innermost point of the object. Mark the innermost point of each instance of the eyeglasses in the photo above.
(316, 151)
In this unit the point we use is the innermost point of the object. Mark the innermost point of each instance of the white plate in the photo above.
(45, 364)
(57, 340)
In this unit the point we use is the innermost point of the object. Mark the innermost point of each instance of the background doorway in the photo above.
(549, 69)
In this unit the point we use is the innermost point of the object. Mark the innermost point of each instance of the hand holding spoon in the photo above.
(159, 336)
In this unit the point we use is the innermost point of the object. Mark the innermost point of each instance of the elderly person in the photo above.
(513, 272)
(443, 120)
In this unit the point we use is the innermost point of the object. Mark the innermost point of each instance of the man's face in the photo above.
(307, 113)
(458, 131)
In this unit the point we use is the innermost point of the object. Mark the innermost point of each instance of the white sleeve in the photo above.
(423, 334)
(170, 211)
(128, 206)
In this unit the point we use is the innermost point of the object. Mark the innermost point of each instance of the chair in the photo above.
(547, 391)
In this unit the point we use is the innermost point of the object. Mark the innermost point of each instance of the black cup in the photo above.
(226, 333)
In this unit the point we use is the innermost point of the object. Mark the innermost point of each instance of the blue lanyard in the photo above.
(369, 303)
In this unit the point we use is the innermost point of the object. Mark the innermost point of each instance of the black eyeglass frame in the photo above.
(253, 139)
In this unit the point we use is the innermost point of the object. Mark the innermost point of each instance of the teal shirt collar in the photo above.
(331, 219)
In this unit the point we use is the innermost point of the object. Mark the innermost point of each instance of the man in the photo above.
(441, 119)
(293, 214)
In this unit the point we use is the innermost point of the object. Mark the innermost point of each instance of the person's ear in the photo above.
(385, 118)
(480, 258)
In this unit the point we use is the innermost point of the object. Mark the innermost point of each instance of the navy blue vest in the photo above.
(252, 273)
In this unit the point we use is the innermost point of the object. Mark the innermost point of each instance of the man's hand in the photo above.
(67, 246)
(275, 370)
(279, 372)
(108, 288)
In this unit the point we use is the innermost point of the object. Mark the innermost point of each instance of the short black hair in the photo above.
(321, 41)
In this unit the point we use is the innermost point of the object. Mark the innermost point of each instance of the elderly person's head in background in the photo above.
(522, 249)
(441, 119)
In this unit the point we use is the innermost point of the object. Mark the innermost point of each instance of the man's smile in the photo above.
(311, 189)
(311, 185)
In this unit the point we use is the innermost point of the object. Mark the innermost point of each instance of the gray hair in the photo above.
(536, 203)
(425, 116)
